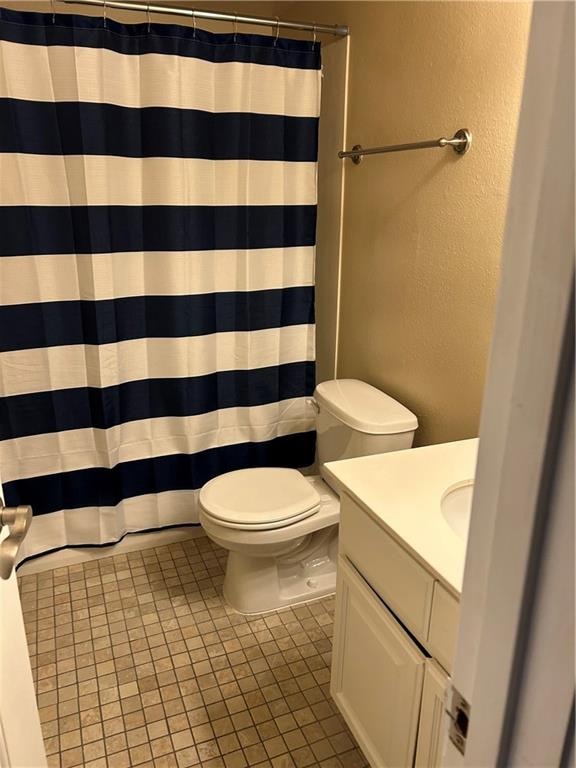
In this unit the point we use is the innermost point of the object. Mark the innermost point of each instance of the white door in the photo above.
(377, 673)
(21, 743)
(515, 657)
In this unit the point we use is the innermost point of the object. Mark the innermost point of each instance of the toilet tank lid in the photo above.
(364, 408)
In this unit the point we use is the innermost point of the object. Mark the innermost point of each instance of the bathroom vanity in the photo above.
(403, 531)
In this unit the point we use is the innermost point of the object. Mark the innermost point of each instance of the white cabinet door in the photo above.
(431, 731)
(21, 744)
(377, 673)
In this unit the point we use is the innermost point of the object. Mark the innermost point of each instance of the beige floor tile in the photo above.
(187, 757)
(71, 757)
(115, 744)
(161, 746)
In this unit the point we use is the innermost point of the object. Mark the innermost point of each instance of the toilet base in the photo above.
(255, 585)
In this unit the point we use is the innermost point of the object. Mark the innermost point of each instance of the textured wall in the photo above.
(423, 230)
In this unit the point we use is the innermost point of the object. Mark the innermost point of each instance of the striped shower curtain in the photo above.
(157, 230)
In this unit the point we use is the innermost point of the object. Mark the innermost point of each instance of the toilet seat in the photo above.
(259, 499)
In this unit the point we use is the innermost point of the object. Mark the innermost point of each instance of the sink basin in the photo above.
(456, 505)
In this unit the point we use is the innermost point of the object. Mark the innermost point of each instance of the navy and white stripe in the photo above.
(157, 231)
(112, 130)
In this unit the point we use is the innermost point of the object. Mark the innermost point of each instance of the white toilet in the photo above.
(280, 526)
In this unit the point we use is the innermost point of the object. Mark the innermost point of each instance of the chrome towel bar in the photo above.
(460, 143)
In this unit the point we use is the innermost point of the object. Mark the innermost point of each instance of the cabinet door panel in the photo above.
(431, 732)
(377, 673)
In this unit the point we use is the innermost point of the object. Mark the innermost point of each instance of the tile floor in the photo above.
(138, 662)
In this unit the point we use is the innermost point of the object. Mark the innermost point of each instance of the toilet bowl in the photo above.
(280, 527)
(286, 559)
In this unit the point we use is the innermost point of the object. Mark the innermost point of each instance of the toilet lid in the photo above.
(266, 497)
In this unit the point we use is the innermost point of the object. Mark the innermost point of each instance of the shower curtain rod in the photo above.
(236, 18)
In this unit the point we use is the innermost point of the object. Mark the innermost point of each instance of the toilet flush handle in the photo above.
(311, 401)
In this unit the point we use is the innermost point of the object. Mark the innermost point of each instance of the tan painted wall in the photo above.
(423, 230)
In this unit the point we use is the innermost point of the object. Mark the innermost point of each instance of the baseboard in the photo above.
(130, 543)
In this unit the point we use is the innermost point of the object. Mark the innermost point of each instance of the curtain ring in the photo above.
(104, 13)
(53, 12)
(148, 14)
(314, 40)
(194, 23)
(277, 29)
(235, 26)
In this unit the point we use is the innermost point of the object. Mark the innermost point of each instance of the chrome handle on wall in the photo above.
(18, 520)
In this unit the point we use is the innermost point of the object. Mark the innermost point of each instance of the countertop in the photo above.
(402, 490)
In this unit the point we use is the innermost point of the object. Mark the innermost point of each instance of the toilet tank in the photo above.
(356, 419)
